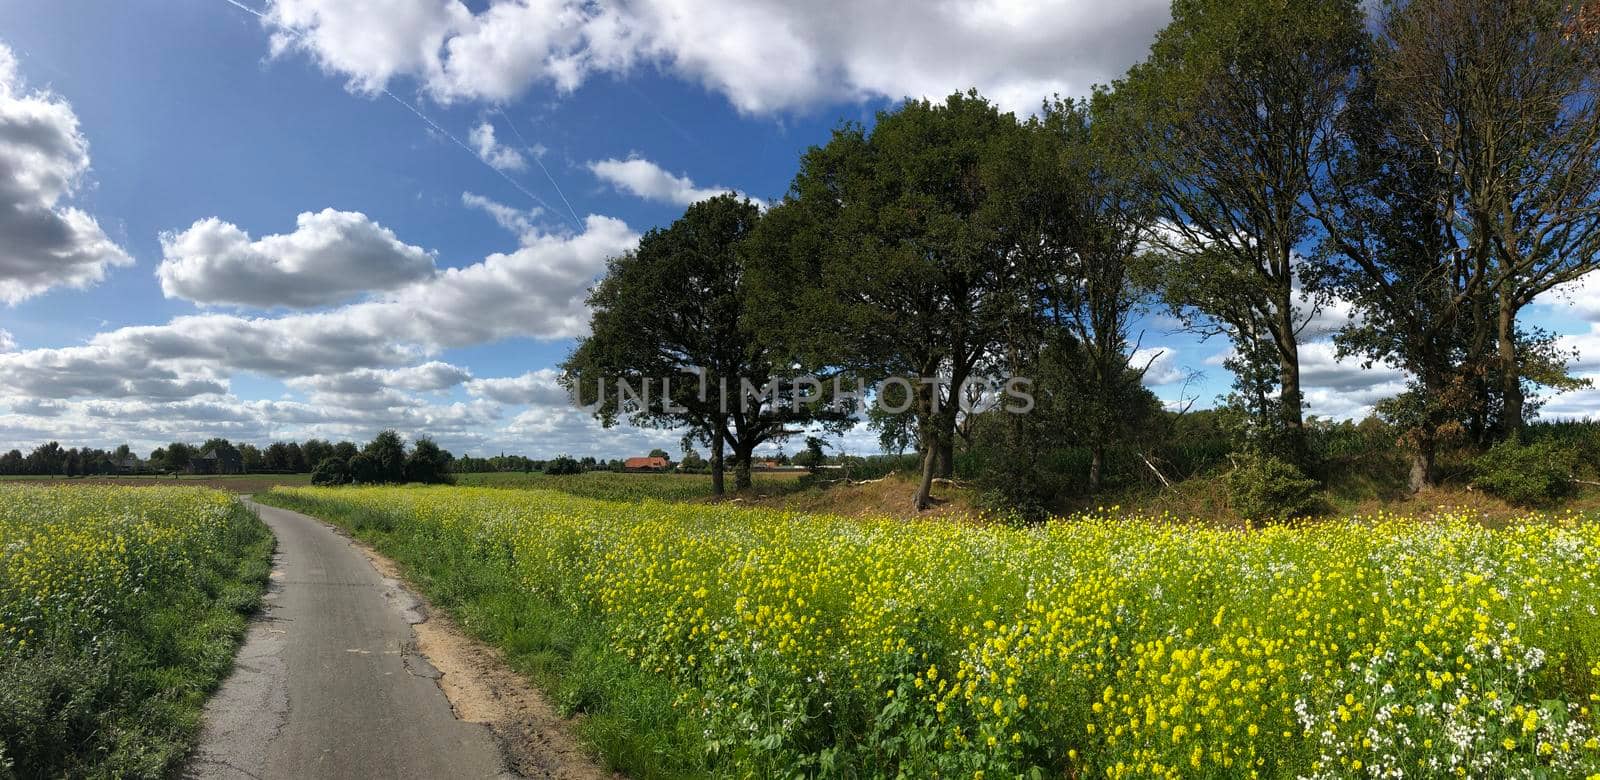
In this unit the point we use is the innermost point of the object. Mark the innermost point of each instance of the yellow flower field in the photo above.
(1092, 646)
(119, 608)
(73, 558)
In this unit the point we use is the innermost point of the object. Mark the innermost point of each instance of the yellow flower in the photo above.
(1187, 643)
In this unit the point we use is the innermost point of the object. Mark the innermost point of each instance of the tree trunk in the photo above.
(1097, 457)
(718, 478)
(938, 438)
(741, 468)
(1290, 398)
(946, 421)
(1424, 439)
(1422, 458)
(925, 485)
(1478, 431)
(1510, 373)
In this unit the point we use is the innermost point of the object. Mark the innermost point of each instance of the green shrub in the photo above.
(1526, 474)
(331, 471)
(561, 466)
(1263, 488)
(1016, 481)
(428, 464)
(363, 469)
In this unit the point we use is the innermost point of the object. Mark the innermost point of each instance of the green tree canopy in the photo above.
(428, 463)
(897, 253)
(675, 307)
(388, 454)
(1226, 114)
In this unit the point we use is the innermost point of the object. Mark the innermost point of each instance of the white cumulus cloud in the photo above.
(497, 155)
(330, 257)
(535, 388)
(518, 221)
(427, 377)
(1160, 364)
(43, 158)
(642, 178)
(1579, 297)
(762, 55)
(1586, 346)
(537, 291)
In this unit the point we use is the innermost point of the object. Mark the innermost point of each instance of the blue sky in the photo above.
(248, 209)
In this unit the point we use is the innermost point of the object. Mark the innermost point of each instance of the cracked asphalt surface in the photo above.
(328, 683)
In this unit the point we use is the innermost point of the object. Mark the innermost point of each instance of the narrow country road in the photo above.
(328, 683)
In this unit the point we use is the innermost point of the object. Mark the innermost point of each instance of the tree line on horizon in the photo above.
(1434, 166)
(339, 461)
(385, 459)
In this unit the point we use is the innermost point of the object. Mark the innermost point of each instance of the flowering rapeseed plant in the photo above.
(1097, 646)
(75, 559)
(119, 609)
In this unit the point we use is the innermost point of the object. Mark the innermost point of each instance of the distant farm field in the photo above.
(710, 639)
(119, 611)
(614, 486)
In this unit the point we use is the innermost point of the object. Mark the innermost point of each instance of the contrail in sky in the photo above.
(576, 223)
(243, 7)
(534, 152)
(469, 150)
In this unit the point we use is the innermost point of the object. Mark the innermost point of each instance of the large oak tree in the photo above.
(1226, 114)
(670, 316)
(897, 252)
(1504, 98)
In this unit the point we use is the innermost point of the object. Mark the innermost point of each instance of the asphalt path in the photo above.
(328, 683)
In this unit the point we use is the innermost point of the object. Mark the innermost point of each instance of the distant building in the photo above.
(212, 462)
(646, 464)
(130, 465)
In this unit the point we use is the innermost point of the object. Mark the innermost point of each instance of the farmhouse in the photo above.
(227, 461)
(646, 464)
